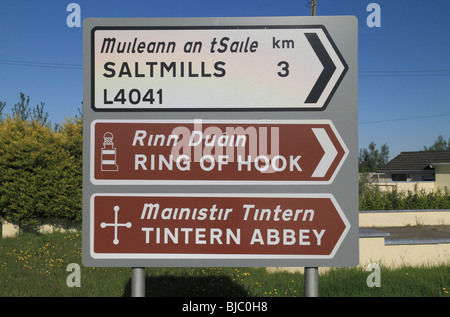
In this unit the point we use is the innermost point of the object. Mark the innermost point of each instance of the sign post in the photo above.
(220, 142)
(138, 282)
(311, 282)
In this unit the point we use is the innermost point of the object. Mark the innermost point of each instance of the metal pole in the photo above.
(311, 282)
(137, 282)
(311, 273)
(313, 7)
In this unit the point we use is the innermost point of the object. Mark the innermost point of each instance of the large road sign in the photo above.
(220, 142)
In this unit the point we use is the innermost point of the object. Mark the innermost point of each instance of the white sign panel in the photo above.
(207, 68)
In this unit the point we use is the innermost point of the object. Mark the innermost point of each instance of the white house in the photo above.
(430, 170)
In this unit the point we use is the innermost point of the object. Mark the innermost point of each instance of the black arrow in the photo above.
(328, 68)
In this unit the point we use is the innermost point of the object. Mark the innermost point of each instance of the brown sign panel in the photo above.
(215, 152)
(164, 226)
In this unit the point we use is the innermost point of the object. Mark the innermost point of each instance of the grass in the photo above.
(36, 265)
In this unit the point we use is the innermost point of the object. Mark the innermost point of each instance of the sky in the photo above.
(403, 64)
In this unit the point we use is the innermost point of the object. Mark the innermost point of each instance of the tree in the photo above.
(40, 115)
(2, 106)
(438, 145)
(369, 160)
(22, 111)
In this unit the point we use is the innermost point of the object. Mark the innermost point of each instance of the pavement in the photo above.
(409, 234)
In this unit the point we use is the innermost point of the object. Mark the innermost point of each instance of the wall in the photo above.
(405, 186)
(399, 218)
(373, 249)
(48, 226)
(442, 176)
(9, 230)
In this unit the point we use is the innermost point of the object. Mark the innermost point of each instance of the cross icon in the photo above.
(115, 224)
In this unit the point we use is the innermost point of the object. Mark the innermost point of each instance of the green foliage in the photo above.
(439, 145)
(40, 169)
(372, 198)
(369, 160)
(2, 106)
(21, 110)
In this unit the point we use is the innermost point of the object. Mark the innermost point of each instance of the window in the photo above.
(399, 177)
(428, 178)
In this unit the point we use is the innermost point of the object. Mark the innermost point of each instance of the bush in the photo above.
(372, 198)
(40, 171)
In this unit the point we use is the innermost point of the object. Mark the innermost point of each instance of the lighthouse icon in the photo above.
(109, 153)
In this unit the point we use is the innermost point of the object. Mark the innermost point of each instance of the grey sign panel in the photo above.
(269, 177)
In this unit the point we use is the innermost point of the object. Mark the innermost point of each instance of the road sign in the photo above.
(216, 226)
(240, 124)
(253, 67)
(215, 152)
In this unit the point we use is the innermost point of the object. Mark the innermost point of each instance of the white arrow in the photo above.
(329, 155)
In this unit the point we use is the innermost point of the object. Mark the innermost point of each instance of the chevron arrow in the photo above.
(328, 68)
(329, 155)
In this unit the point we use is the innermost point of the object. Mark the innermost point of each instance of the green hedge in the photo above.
(372, 198)
(40, 170)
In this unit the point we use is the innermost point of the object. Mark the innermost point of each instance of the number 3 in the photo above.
(284, 68)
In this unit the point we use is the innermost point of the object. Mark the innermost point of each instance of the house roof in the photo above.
(416, 161)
